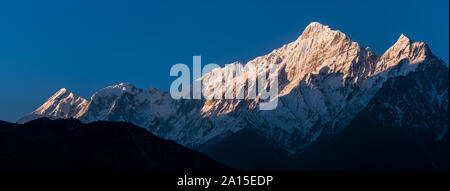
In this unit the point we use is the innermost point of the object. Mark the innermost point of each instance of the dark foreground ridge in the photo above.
(68, 145)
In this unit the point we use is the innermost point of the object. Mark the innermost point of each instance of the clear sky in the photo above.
(87, 45)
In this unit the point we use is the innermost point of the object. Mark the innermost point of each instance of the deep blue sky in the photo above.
(87, 45)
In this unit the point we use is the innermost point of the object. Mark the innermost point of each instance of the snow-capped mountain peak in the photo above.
(59, 93)
(63, 104)
(116, 90)
(406, 51)
(403, 39)
(315, 29)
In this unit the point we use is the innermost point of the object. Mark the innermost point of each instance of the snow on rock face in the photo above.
(103, 102)
(324, 77)
(116, 90)
(403, 49)
(63, 104)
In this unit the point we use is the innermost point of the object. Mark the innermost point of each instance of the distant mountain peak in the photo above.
(316, 26)
(402, 42)
(123, 86)
(63, 104)
(115, 90)
(404, 50)
(60, 93)
(317, 30)
(404, 38)
(62, 90)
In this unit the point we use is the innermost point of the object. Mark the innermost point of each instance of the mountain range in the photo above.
(341, 106)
